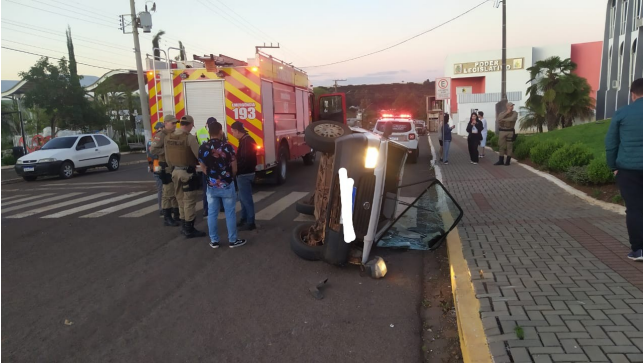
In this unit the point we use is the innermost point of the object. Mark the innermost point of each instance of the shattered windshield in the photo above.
(423, 222)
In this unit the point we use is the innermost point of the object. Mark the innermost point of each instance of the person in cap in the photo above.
(181, 153)
(169, 203)
(506, 134)
(246, 163)
(218, 159)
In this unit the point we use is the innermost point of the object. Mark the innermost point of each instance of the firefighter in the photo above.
(507, 133)
(169, 203)
(182, 151)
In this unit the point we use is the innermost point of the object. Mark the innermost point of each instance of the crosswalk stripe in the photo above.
(26, 199)
(92, 205)
(41, 201)
(104, 183)
(304, 218)
(13, 197)
(142, 212)
(59, 205)
(257, 197)
(277, 207)
(116, 208)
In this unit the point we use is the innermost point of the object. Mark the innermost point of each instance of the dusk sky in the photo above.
(310, 33)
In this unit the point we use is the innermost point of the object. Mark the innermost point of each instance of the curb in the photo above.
(473, 341)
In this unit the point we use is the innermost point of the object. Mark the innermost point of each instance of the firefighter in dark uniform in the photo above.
(181, 153)
(506, 133)
(169, 203)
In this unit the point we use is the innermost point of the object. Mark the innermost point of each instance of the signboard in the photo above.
(488, 66)
(443, 88)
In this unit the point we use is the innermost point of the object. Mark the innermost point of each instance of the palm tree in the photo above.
(574, 100)
(155, 44)
(533, 118)
(545, 79)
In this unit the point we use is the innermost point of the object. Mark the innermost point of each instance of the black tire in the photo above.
(413, 158)
(29, 178)
(66, 170)
(282, 166)
(300, 248)
(321, 135)
(303, 207)
(309, 159)
(113, 163)
(81, 171)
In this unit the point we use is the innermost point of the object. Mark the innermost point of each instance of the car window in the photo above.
(101, 140)
(397, 126)
(86, 142)
(60, 143)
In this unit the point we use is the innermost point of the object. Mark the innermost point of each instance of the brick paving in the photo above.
(548, 262)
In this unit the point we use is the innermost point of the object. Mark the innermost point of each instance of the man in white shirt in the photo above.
(483, 142)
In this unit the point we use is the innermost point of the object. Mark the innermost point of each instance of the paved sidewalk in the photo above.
(546, 261)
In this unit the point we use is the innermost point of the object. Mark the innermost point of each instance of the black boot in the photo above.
(508, 160)
(501, 160)
(168, 221)
(193, 232)
(177, 214)
(184, 227)
(241, 222)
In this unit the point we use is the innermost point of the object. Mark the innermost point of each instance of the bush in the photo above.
(578, 174)
(599, 172)
(8, 160)
(569, 155)
(493, 142)
(542, 151)
(522, 145)
(490, 134)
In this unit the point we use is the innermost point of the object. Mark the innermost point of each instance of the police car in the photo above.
(404, 132)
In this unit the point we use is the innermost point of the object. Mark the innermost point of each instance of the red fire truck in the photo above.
(273, 100)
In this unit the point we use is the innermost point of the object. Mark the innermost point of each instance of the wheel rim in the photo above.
(329, 130)
(114, 163)
(283, 170)
(68, 171)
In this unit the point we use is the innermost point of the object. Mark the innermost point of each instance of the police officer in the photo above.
(181, 153)
(169, 203)
(507, 132)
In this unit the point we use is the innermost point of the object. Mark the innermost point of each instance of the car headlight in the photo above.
(371, 157)
(19, 162)
(46, 160)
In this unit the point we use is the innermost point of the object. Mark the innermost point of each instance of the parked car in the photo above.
(420, 126)
(404, 132)
(63, 155)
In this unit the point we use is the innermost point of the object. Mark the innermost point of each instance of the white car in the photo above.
(403, 132)
(62, 155)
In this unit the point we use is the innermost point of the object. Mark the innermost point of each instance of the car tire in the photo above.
(300, 248)
(66, 170)
(414, 156)
(309, 159)
(113, 163)
(282, 166)
(321, 135)
(303, 207)
(29, 178)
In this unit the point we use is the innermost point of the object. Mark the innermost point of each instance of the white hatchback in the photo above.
(403, 132)
(62, 155)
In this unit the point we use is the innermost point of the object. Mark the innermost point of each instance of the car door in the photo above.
(86, 153)
(104, 149)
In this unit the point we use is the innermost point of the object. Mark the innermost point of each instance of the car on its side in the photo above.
(65, 154)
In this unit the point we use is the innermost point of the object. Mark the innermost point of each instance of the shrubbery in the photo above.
(578, 174)
(570, 155)
(542, 151)
(598, 171)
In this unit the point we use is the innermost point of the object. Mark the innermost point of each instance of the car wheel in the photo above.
(413, 159)
(66, 170)
(321, 135)
(309, 159)
(29, 178)
(304, 207)
(113, 163)
(282, 166)
(300, 247)
(81, 171)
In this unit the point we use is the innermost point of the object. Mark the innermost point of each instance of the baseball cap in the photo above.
(170, 118)
(510, 104)
(237, 125)
(188, 119)
(159, 125)
(211, 121)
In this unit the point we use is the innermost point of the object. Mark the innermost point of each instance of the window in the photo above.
(636, 13)
(624, 17)
(59, 143)
(86, 142)
(609, 69)
(612, 18)
(397, 126)
(619, 75)
(633, 61)
(101, 140)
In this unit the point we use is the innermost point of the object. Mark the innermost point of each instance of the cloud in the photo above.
(386, 73)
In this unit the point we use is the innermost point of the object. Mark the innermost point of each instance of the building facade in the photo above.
(621, 63)
(476, 78)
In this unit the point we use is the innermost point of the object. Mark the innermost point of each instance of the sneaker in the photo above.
(636, 255)
(214, 244)
(237, 243)
(474, 163)
(446, 163)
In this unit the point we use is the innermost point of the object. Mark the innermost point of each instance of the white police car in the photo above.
(404, 132)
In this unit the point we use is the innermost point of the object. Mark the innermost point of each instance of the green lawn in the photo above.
(591, 134)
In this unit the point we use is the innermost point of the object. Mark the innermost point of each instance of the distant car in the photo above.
(63, 155)
(404, 132)
(420, 126)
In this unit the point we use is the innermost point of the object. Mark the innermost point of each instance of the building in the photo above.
(476, 78)
(621, 64)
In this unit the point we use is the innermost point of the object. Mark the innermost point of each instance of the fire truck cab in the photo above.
(273, 100)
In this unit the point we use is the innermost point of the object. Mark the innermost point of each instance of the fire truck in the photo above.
(272, 98)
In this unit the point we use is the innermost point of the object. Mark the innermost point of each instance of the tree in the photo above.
(155, 44)
(534, 118)
(73, 68)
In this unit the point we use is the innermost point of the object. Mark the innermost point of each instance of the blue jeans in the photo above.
(227, 197)
(205, 193)
(244, 183)
(447, 143)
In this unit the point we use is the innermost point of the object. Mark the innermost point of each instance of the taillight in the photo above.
(411, 136)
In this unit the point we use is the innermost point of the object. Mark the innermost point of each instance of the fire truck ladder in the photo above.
(159, 84)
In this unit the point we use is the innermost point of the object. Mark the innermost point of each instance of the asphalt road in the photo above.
(82, 286)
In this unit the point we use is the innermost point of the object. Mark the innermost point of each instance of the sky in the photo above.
(310, 33)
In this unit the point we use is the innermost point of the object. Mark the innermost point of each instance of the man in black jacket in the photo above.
(246, 163)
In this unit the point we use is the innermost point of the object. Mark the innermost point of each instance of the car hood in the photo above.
(43, 154)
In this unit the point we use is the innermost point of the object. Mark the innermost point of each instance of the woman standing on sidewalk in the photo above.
(483, 142)
(474, 128)
(445, 139)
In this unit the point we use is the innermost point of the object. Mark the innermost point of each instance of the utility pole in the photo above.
(338, 80)
(265, 46)
(502, 105)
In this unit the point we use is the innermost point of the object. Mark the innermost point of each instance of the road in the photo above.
(110, 283)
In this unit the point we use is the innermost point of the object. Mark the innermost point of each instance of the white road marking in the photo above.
(271, 211)
(257, 197)
(142, 212)
(13, 197)
(92, 205)
(26, 199)
(116, 208)
(41, 201)
(59, 205)
(104, 183)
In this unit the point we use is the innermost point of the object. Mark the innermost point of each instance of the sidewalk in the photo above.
(546, 261)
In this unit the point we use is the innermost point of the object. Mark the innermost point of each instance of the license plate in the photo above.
(28, 168)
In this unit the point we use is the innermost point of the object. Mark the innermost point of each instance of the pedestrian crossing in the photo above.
(91, 205)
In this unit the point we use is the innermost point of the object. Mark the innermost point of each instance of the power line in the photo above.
(75, 12)
(67, 16)
(402, 42)
(81, 8)
(42, 55)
